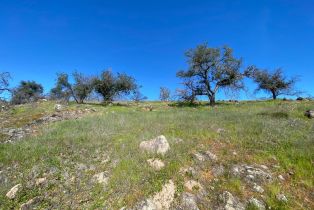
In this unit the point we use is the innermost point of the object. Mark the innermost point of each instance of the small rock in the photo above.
(40, 181)
(81, 167)
(281, 178)
(158, 145)
(161, 200)
(58, 107)
(30, 204)
(199, 156)
(193, 185)
(189, 171)
(258, 204)
(220, 130)
(264, 167)
(13, 191)
(101, 178)
(230, 202)
(177, 140)
(218, 170)
(188, 201)
(309, 114)
(106, 159)
(156, 164)
(211, 156)
(258, 188)
(281, 197)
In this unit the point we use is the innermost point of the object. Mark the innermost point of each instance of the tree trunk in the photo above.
(212, 100)
(274, 95)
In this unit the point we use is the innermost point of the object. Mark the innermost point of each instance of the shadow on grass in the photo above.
(187, 104)
(278, 115)
(104, 104)
(199, 104)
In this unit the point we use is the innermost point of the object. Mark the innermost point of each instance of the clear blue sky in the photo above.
(147, 39)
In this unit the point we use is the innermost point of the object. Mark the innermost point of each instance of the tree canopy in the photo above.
(273, 82)
(27, 91)
(211, 69)
(110, 86)
(164, 94)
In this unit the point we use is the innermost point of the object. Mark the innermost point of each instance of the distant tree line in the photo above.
(209, 71)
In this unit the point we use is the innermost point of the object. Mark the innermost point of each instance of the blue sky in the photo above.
(147, 39)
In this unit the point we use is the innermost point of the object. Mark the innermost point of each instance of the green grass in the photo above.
(266, 132)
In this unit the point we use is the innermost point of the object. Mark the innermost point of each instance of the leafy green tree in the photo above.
(63, 89)
(83, 86)
(274, 82)
(164, 94)
(212, 69)
(27, 91)
(110, 86)
(79, 91)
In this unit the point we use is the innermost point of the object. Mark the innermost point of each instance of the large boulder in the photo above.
(157, 145)
(309, 113)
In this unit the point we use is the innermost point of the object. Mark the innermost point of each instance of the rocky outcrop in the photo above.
(15, 134)
(252, 174)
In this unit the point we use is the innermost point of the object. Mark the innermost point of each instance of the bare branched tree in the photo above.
(274, 82)
(4, 83)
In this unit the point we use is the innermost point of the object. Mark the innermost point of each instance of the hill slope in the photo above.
(232, 155)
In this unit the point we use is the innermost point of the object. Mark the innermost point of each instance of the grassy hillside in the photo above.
(69, 153)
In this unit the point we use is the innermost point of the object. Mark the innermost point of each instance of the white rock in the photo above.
(40, 181)
(13, 191)
(156, 164)
(193, 185)
(158, 145)
(220, 130)
(58, 107)
(211, 156)
(199, 157)
(230, 202)
(161, 200)
(258, 188)
(30, 204)
(281, 197)
(258, 204)
(101, 178)
(281, 178)
(189, 171)
(264, 167)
